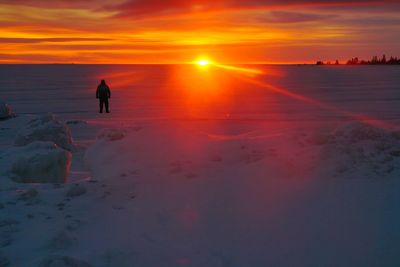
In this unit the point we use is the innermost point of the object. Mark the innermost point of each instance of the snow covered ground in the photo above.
(184, 181)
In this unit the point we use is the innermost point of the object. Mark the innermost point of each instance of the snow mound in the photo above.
(62, 261)
(45, 128)
(5, 111)
(38, 162)
(112, 134)
(365, 149)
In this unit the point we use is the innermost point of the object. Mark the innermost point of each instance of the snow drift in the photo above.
(45, 128)
(38, 162)
(361, 148)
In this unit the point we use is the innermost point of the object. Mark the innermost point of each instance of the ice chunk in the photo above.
(38, 162)
(5, 111)
(45, 128)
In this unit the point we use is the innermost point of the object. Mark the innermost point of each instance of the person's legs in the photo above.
(106, 104)
(101, 105)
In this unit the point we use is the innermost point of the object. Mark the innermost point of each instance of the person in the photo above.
(103, 94)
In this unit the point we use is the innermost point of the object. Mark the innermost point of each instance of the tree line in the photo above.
(374, 61)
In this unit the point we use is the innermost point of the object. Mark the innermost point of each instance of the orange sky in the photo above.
(175, 31)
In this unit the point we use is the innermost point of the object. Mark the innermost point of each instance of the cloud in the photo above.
(175, 5)
(294, 17)
(58, 3)
(48, 40)
(164, 7)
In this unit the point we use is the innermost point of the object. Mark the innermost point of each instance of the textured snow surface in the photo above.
(188, 194)
(360, 150)
(175, 177)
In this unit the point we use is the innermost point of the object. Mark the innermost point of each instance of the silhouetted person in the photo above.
(103, 94)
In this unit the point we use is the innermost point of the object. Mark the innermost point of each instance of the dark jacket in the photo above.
(103, 91)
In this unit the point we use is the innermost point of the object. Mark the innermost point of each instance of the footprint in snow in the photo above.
(191, 175)
(176, 170)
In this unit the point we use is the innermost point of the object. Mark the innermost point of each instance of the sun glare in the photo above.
(203, 62)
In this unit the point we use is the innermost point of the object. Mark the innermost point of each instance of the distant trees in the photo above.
(327, 63)
(374, 61)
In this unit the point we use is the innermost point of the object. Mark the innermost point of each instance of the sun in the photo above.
(203, 62)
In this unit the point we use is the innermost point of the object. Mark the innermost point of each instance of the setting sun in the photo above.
(203, 62)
